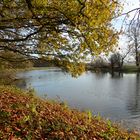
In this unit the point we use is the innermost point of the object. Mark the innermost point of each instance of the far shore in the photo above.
(124, 69)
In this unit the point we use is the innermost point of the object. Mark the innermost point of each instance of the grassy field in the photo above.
(23, 116)
(131, 68)
(125, 69)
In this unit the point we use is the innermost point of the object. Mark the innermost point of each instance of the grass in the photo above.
(23, 116)
(131, 68)
(7, 76)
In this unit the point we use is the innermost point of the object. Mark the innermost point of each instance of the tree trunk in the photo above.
(137, 60)
(136, 48)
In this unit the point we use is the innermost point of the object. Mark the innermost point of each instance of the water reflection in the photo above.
(116, 74)
(134, 101)
(100, 75)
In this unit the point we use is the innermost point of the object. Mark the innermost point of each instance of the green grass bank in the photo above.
(23, 116)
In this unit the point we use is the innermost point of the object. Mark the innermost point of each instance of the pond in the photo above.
(115, 97)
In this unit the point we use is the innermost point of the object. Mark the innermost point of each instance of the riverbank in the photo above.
(124, 69)
(25, 116)
(8, 76)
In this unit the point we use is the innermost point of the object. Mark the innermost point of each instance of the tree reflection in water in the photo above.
(134, 101)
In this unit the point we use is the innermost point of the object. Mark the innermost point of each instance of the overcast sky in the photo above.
(128, 5)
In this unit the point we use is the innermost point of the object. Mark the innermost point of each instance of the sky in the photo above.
(128, 5)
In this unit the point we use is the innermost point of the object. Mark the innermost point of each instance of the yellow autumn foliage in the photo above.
(66, 30)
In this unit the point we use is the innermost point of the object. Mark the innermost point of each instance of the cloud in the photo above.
(129, 5)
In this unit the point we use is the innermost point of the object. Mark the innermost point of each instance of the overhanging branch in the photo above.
(21, 39)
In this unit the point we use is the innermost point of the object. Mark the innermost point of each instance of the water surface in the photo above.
(116, 98)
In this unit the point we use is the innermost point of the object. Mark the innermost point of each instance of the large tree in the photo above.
(64, 30)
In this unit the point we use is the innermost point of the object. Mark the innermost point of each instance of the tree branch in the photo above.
(22, 39)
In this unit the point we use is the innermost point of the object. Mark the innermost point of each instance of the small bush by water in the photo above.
(26, 117)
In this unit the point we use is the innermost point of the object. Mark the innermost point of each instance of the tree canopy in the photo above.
(64, 30)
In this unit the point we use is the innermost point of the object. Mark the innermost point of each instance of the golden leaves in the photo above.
(53, 121)
(39, 3)
(70, 30)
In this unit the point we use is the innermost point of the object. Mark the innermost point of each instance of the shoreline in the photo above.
(23, 115)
